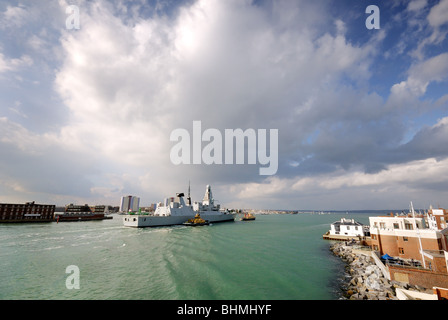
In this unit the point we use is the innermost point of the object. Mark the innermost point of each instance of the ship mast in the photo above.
(208, 197)
(189, 198)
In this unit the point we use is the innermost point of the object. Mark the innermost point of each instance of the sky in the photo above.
(86, 111)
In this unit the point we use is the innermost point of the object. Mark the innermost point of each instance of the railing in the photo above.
(379, 263)
(359, 247)
(406, 265)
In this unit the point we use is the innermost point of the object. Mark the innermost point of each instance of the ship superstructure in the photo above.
(174, 211)
(211, 211)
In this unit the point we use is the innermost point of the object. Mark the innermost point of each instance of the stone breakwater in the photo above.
(367, 282)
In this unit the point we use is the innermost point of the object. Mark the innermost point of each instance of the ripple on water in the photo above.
(273, 257)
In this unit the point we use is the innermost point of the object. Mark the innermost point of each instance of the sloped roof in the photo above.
(348, 222)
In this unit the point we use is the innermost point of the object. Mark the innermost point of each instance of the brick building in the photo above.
(414, 237)
(404, 236)
(28, 212)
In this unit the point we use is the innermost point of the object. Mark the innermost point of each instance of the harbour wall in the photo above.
(420, 277)
(368, 275)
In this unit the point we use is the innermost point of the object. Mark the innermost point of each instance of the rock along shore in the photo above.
(367, 282)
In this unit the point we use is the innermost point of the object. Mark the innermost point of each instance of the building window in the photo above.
(382, 225)
(408, 226)
(396, 226)
(401, 250)
(405, 238)
(348, 227)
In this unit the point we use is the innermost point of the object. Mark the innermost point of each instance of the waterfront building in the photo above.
(98, 209)
(349, 227)
(414, 237)
(73, 212)
(437, 218)
(112, 209)
(149, 209)
(76, 208)
(405, 236)
(28, 212)
(410, 248)
(129, 203)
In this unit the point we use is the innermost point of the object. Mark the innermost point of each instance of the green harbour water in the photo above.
(275, 257)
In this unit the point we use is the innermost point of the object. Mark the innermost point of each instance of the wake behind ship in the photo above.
(174, 211)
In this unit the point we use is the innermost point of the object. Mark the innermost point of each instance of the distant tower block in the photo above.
(129, 203)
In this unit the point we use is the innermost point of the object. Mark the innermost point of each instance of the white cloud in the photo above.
(417, 5)
(438, 16)
(436, 21)
(13, 17)
(151, 77)
(13, 64)
(127, 84)
(127, 80)
(434, 69)
(18, 136)
(395, 186)
(412, 174)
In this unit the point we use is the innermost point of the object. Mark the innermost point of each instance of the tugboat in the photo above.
(196, 221)
(248, 217)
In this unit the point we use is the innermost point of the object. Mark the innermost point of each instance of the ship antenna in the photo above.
(189, 198)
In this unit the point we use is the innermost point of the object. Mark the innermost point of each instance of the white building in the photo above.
(129, 203)
(349, 227)
(437, 218)
(397, 222)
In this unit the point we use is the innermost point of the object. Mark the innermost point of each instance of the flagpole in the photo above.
(418, 235)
